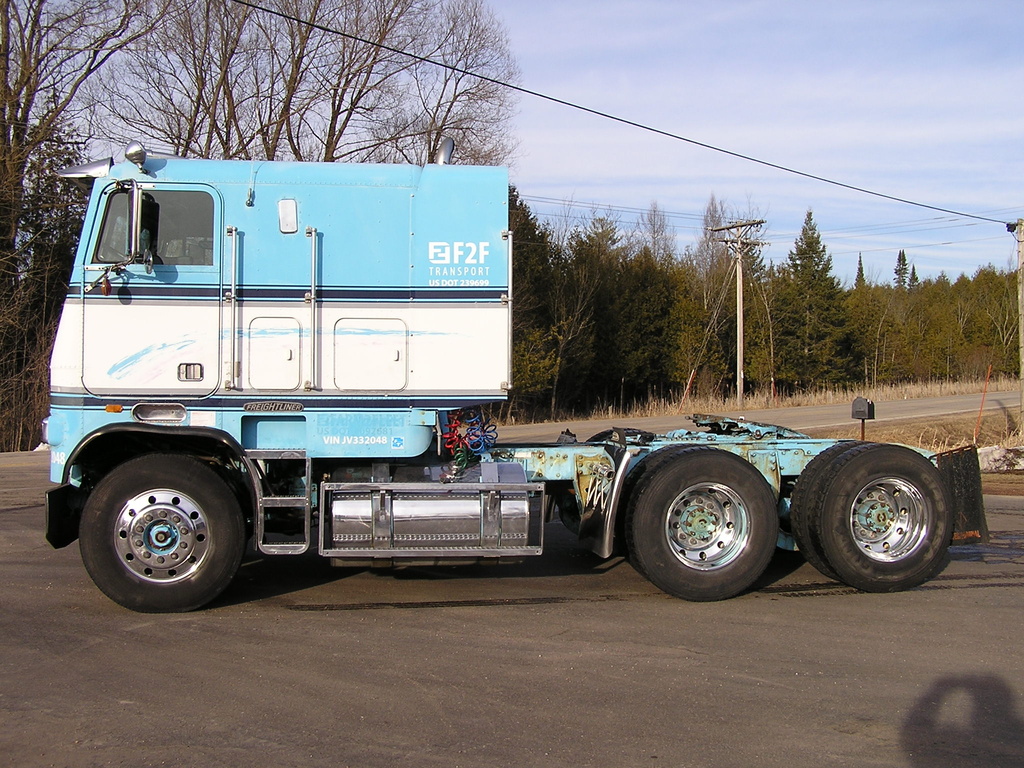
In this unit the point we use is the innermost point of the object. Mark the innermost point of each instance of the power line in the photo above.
(866, 231)
(614, 118)
(678, 220)
(594, 206)
(915, 246)
(885, 231)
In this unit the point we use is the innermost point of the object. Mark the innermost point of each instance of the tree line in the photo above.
(608, 315)
(604, 314)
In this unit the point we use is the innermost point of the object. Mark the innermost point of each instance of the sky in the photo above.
(917, 99)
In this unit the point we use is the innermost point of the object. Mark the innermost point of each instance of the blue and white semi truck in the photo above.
(295, 355)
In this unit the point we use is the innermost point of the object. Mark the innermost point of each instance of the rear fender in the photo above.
(597, 528)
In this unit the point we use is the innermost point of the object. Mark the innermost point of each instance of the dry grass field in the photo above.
(943, 434)
(935, 434)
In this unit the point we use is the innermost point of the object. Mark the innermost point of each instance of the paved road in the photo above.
(564, 660)
(806, 417)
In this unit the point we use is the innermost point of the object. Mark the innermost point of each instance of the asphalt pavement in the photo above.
(562, 660)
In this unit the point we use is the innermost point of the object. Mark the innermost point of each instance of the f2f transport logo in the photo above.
(458, 264)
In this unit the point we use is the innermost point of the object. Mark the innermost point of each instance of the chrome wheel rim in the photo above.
(889, 519)
(707, 526)
(161, 536)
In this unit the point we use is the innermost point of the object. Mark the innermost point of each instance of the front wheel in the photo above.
(162, 533)
(702, 524)
(885, 522)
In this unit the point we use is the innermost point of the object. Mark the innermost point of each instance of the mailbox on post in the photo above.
(863, 409)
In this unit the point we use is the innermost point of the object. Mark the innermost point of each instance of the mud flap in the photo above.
(63, 513)
(961, 475)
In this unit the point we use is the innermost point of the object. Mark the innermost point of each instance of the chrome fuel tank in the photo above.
(495, 514)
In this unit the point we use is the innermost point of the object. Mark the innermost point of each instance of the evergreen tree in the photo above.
(859, 281)
(813, 341)
(762, 310)
(609, 318)
(49, 220)
(869, 312)
(633, 332)
(533, 356)
(994, 331)
(582, 323)
(901, 269)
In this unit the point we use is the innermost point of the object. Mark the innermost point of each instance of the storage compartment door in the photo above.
(274, 350)
(371, 354)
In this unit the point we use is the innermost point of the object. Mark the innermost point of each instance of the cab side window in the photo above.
(175, 226)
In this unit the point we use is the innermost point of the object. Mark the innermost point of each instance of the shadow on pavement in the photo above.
(263, 577)
(266, 577)
(782, 566)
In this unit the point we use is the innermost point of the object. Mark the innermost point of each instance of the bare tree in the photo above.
(657, 234)
(448, 102)
(709, 257)
(49, 51)
(191, 86)
(572, 293)
(320, 80)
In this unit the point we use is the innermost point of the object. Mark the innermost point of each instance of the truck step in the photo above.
(283, 501)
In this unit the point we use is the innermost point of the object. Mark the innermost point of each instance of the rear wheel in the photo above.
(162, 533)
(702, 524)
(885, 522)
(806, 505)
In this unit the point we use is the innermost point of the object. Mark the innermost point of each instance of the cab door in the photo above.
(152, 293)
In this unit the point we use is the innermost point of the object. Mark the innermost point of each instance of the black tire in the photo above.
(806, 504)
(162, 533)
(885, 522)
(702, 524)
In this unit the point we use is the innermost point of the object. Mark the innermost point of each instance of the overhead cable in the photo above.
(609, 116)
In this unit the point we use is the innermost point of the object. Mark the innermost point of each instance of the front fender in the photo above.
(105, 448)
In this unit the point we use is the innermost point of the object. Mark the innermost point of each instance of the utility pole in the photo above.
(1017, 230)
(741, 240)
